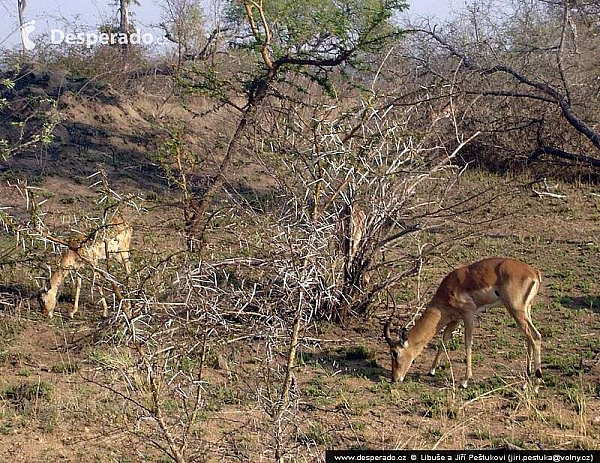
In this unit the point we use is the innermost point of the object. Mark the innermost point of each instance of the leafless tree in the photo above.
(530, 70)
(125, 23)
(125, 15)
(183, 23)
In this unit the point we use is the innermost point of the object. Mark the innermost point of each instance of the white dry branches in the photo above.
(363, 178)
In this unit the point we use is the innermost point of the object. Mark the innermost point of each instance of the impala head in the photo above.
(398, 349)
(47, 300)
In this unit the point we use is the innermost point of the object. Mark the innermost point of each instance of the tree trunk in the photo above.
(21, 5)
(124, 16)
(125, 27)
(256, 98)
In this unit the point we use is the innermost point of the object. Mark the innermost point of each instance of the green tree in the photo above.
(311, 37)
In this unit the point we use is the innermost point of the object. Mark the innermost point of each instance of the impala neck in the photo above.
(425, 329)
(56, 280)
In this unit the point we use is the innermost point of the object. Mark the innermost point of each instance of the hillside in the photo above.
(96, 126)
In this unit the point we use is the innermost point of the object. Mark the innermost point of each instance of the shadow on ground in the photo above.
(346, 361)
(18, 290)
(581, 302)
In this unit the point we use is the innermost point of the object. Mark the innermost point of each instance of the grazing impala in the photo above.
(111, 239)
(462, 294)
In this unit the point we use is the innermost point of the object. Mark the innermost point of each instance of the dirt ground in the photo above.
(52, 409)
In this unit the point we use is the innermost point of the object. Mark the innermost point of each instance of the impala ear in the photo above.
(403, 337)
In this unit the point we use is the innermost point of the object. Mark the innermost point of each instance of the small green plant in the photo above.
(315, 387)
(576, 395)
(432, 433)
(66, 368)
(438, 404)
(114, 360)
(454, 343)
(360, 352)
(560, 423)
(568, 364)
(316, 434)
(188, 365)
(483, 434)
(227, 394)
(9, 328)
(354, 406)
(24, 393)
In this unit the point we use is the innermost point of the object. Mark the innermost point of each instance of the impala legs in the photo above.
(447, 334)
(123, 258)
(534, 341)
(103, 302)
(469, 322)
(75, 308)
(521, 312)
(525, 324)
(536, 358)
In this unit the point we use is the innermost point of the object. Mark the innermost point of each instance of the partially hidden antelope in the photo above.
(111, 239)
(464, 293)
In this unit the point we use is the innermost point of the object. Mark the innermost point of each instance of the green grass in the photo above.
(360, 352)
(438, 404)
(66, 368)
(111, 359)
(9, 328)
(577, 394)
(316, 387)
(22, 394)
(568, 364)
(315, 434)
(478, 388)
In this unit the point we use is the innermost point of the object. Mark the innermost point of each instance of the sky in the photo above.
(85, 15)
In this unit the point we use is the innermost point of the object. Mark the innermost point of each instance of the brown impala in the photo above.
(463, 294)
(113, 240)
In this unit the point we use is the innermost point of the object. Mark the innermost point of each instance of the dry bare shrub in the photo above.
(358, 177)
